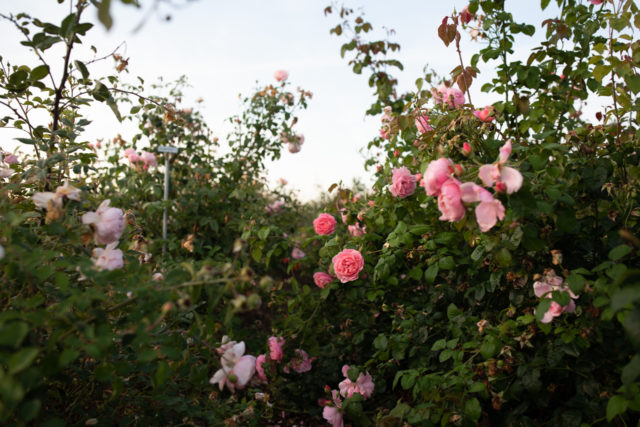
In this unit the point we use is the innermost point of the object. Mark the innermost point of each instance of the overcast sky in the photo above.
(223, 47)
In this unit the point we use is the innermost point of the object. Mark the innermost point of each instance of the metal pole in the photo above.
(166, 199)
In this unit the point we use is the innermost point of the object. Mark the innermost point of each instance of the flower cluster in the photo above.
(146, 158)
(363, 385)
(52, 201)
(451, 96)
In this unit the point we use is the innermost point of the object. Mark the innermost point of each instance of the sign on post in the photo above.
(166, 149)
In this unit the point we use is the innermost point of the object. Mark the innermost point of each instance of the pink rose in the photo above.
(157, 277)
(545, 288)
(108, 223)
(403, 183)
(322, 279)
(436, 174)
(300, 363)
(10, 159)
(363, 385)
(449, 201)
(498, 173)
(149, 159)
(108, 258)
(293, 148)
(333, 414)
(324, 224)
(281, 75)
(422, 123)
(297, 253)
(131, 154)
(237, 368)
(356, 230)
(488, 214)
(596, 2)
(454, 97)
(260, 368)
(275, 348)
(484, 115)
(347, 265)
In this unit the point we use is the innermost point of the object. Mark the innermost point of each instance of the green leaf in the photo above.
(619, 252)
(542, 308)
(23, 359)
(576, 283)
(616, 406)
(631, 371)
(489, 347)
(544, 4)
(431, 273)
(104, 14)
(472, 409)
(82, 68)
(380, 343)
(39, 73)
(447, 263)
(600, 71)
(67, 356)
(12, 334)
(29, 409)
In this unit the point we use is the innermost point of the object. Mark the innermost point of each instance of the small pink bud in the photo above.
(500, 187)
(466, 147)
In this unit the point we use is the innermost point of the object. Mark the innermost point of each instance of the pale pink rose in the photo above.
(322, 279)
(275, 348)
(236, 369)
(260, 368)
(281, 75)
(347, 265)
(324, 224)
(275, 207)
(297, 253)
(484, 115)
(333, 414)
(545, 288)
(554, 310)
(498, 173)
(596, 2)
(157, 277)
(225, 344)
(108, 258)
(300, 363)
(438, 171)
(293, 148)
(131, 154)
(449, 201)
(108, 223)
(488, 214)
(356, 230)
(472, 193)
(10, 159)
(422, 123)
(454, 97)
(149, 159)
(5, 172)
(364, 384)
(465, 16)
(403, 183)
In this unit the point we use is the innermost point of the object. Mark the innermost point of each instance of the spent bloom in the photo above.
(465, 15)
(108, 223)
(324, 224)
(347, 265)
(403, 183)
(108, 258)
(300, 363)
(237, 368)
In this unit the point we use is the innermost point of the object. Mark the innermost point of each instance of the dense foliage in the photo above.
(489, 276)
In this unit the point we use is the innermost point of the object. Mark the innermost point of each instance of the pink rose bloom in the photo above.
(157, 277)
(466, 148)
(436, 174)
(449, 201)
(324, 224)
(484, 115)
(545, 289)
(596, 2)
(300, 363)
(333, 414)
(489, 211)
(498, 173)
(356, 230)
(149, 159)
(347, 265)
(465, 16)
(275, 348)
(403, 183)
(108, 223)
(373, 202)
(10, 159)
(422, 123)
(131, 154)
(363, 385)
(439, 93)
(108, 258)
(237, 368)
(454, 97)
(322, 279)
(297, 253)
(260, 368)
(281, 75)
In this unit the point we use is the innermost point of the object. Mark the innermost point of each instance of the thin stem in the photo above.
(464, 72)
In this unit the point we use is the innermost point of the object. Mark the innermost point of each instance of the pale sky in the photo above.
(223, 47)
